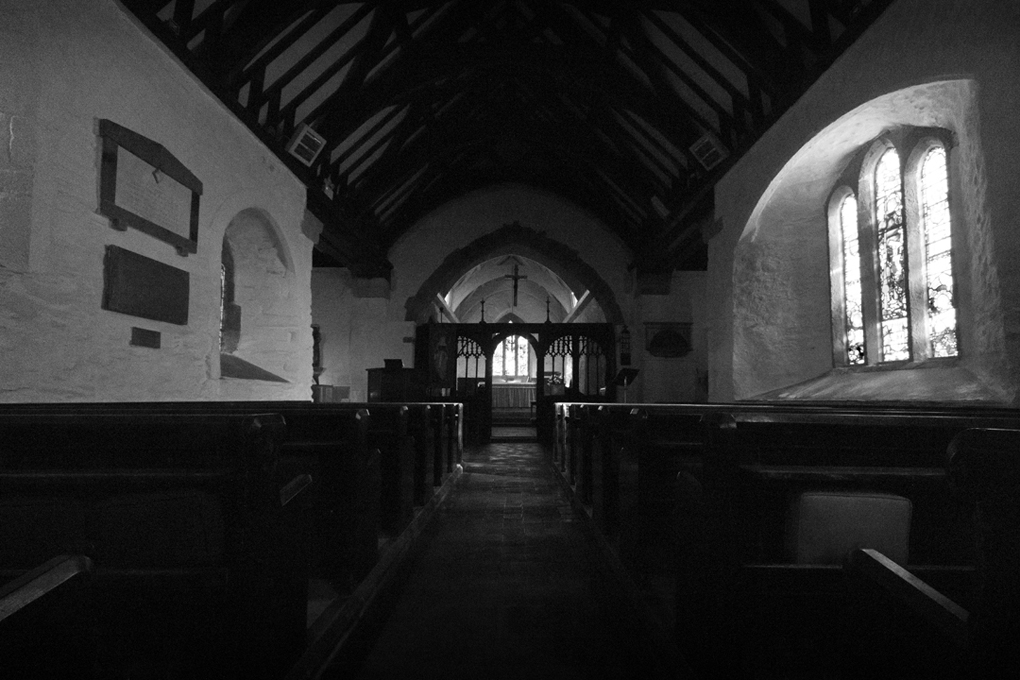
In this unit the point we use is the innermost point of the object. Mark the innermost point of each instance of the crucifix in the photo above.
(516, 276)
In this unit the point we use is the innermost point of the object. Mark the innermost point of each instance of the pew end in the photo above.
(46, 621)
(898, 625)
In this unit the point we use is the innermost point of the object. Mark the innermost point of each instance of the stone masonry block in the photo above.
(15, 230)
(5, 141)
(22, 141)
(14, 183)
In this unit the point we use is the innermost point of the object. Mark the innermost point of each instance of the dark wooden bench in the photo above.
(184, 520)
(359, 492)
(909, 624)
(708, 487)
(46, 628)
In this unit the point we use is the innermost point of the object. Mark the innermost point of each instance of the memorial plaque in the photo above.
(143, 186)
(137, 285)
(143, 337)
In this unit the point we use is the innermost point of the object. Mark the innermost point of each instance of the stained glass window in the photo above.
(874, 277)
(852, 281)
(935, 222)
(892, 258)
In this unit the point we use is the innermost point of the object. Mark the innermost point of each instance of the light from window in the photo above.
(223, 300)
(511, 358)
(892, 258)
(852, 281)
(934, 198)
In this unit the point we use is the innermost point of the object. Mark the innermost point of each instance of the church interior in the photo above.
(658, 284)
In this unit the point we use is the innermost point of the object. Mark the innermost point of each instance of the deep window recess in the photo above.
(891, 253)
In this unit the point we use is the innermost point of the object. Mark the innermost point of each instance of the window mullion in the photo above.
(869, 268)
(837, 267)
(916, 286)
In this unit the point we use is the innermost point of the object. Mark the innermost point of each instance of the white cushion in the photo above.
(825, 525)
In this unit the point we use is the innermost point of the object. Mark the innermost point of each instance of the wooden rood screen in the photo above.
(574, 362)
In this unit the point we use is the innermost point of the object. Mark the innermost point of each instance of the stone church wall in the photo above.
(671, 372)
(67, 65)
(944, 63)
(356, 331)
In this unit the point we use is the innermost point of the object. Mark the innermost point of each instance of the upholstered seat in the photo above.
(823, 526)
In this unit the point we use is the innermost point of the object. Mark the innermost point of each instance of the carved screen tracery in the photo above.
(471, 365)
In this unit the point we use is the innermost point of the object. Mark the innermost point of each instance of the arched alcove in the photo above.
(256, 282)
(783, 345)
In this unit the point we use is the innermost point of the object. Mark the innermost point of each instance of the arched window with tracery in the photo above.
(891, 252)
(936, 225)
(512, 358)
(853, 312)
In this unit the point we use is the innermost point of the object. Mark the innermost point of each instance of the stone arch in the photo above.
(507, 240)
(781, 272)
(260, 280)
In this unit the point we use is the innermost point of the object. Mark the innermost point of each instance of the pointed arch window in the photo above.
(512, 358)
(891, 255)
(936, 225)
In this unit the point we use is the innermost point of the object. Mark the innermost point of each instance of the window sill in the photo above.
(935, 381)
(940, 363)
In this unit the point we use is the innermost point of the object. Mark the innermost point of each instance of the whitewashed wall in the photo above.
(768, 304)
(671, 379)
(356, 332)
(65, 66)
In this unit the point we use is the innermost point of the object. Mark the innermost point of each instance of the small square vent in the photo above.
(305, 145)
(709, 151)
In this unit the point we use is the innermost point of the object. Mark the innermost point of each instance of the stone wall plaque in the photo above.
(143, 186)
(137, 285)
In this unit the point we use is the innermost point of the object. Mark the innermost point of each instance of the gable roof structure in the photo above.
(387, 109)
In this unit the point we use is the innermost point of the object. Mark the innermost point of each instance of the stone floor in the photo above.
(506, 585)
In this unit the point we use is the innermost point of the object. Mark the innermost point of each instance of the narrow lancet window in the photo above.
(852, 281)
(935, 222)
(892, 258)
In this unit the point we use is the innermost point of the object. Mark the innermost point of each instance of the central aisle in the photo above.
(506, 586)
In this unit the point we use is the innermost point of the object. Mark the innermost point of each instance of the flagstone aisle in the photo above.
(506, 586)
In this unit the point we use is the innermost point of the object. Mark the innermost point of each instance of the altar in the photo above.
(513, 395)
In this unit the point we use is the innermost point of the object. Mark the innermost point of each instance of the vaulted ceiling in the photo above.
(630, 108)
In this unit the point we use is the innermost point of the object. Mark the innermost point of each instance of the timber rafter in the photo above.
(421, 101)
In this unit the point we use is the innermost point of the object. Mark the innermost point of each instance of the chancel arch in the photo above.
(552, 258)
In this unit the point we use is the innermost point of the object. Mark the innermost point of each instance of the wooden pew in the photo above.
(777, 455)
(389, 433)
(908, 624)
(46, 628)
(183, 519)
(423, 434)
(746, 463)
(327, 441)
